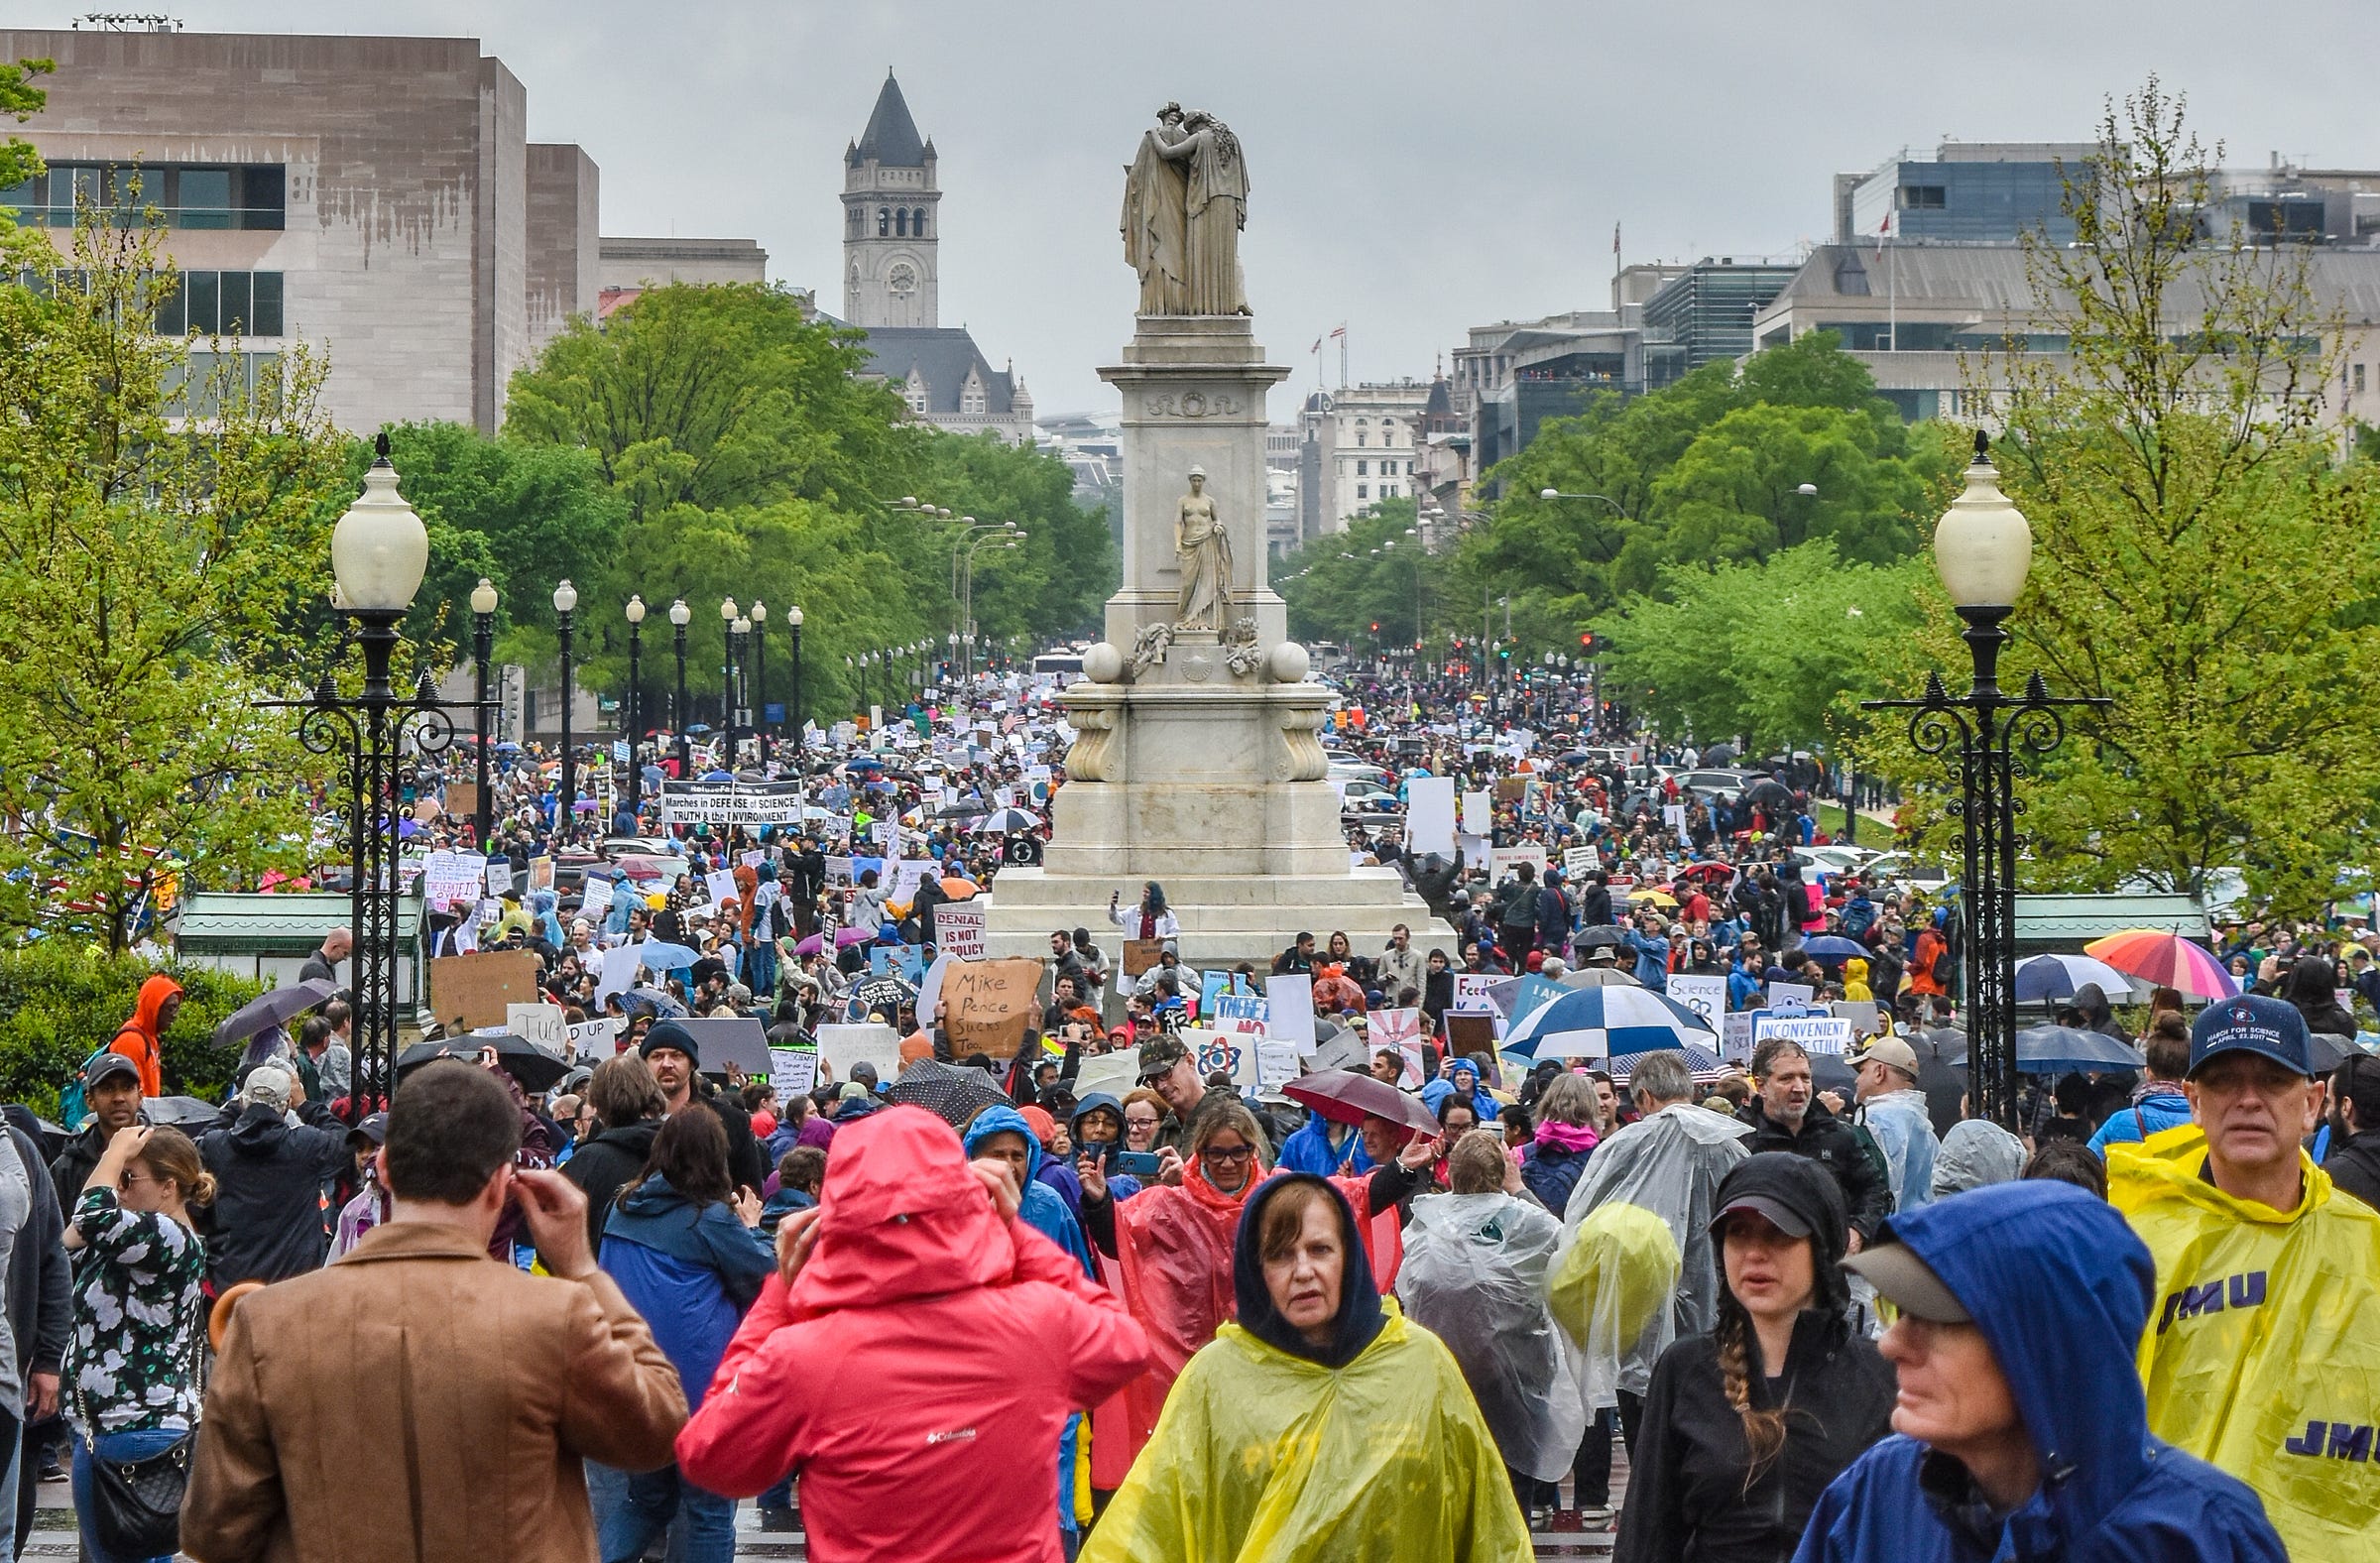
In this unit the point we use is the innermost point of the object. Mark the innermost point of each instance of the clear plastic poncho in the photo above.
(1474, 1275)
(1637, 1235)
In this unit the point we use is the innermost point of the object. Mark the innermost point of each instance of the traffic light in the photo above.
(1376, 626)
(1587, 640)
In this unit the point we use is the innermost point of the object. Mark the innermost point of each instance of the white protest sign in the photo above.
(1865, 1015)
(1674, 815)
(841, 1046)
(595, 898)
(752, 860)
(1735, 1036)
(1393, 1028)
(1430, 816)
(907, 875)
(1234, 1053)
(1472, 994)
(1289, 1009)
(1817, 1034)
(620, 964)
(1704, 995)
(959, 931)
(1478, 814)
(594, 1039)
(1116, 1073)
(1242, 1013)
(721, 885)
(1276, 1063)
(1503, 860)
(489, 912)
(449, 877)
(545, 1026)
(500, 876)
(1581, 860)
(792, 1071)
(1791, 995)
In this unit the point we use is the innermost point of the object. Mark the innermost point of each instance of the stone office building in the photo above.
(377, 197)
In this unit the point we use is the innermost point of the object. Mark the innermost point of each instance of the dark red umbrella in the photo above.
(1346, 1097)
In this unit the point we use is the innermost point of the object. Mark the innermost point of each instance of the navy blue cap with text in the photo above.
(2251, 1024)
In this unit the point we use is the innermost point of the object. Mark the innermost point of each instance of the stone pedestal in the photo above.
(1198, 758)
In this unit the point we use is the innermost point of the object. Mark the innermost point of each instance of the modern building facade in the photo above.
(1969, 192)
(1704, 315)
(376, 197)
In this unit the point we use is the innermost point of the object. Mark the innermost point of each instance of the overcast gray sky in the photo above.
(1418, 166)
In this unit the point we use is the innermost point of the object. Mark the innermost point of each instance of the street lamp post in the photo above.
(760, 677)
(794, 710)
(729, 613)
(378, 554)
(483, 644)
(636, 687)
(565, 603)
(679, 617)
(1982, 551)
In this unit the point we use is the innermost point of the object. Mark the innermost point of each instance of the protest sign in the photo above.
(876, 1044)
(500, 877)
(837, 871)
(1240, 1012)
(1674, 815)
(1817, 1034)
(1865, 1015)
(1413, 1064)
(1116, 1073)
(594, 1040)
(449, 877)
(721, 885)
(462, 800)
(1276, 1063)
(1704, 995)
(620, 964)
(738, 1039)
(907, 875)
(469, 991)
(1472, 996)
(985, 1005)
(1394, 1027)
(595, 898)
(1470, 1033)
(905, 961)
(1233, 1052)
(545, 1026)
(730, 803)
(1735, 1037)
(752, 860)
(1790, 995)
(1579, 860)
(1503, 860)
(540, 873)
(1141, 954)
(1479, 814)
(1430, 816)
(792, 1071)
(1289, 1009)
(959, 930)
(1508, 790)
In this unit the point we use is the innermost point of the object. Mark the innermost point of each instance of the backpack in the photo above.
(1522, 911)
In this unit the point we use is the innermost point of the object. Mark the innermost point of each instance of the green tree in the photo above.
(716, 397)
(2202, 558)
(1055, 583)
(20, 101)
(164, 535)
(1342, 583)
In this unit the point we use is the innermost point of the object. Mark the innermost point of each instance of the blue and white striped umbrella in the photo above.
(1605, 1023)
(1701, 1062)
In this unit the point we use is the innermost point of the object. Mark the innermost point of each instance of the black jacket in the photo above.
(74, 1166)
(1688, 1496)
(40, 1293)
(1594, 905)
(612, 1160)
(1834, 1143)
(747, 1165)
(267, 1221)
(2355, 1166)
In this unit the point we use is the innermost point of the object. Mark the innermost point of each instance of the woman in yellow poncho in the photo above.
(1321, 1425)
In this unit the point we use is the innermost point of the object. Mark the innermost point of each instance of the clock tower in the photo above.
(890, 220)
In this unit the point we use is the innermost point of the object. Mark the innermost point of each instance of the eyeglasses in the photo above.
(1219, 1154)
(1140, 1122)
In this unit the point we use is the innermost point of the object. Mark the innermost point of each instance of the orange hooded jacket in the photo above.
(142, 1038)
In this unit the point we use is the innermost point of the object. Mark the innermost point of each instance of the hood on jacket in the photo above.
(1000, 1120)
(630, 1140)
(654, 1197)
(259, 1131)
(1092, 1104)
(1359, 1319)
(1803, 1189)
(145, 1010)
(1976, 1154)
(905, 1218)
(2061, 1290)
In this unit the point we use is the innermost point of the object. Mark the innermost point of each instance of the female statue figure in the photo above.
(1204, 551)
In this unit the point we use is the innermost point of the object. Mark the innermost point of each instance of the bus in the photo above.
(1060, 664)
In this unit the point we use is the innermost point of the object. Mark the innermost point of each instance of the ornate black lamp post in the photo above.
(793, 711)
(378, 552)
(729, 613)
(679, 617)
(483, 644)
(635, 685)
(565, 814)
(1984, 549)
(758, 692)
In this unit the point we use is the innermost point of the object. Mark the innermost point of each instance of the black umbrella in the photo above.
(535, 1068)
(276, 1006)
(953, 1093)
(1602, 933)
(886, 993)
(179, 1112)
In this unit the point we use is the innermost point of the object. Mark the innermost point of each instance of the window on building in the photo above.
(1361, 436)
(245, 196)
(900, 222)
(857, 218)
(1363, 469)
(1923, 197)
(243, 304)
(1363, 491)
(2359, 379)
(917, 223)
(884, 223)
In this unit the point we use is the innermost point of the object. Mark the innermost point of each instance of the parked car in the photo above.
(1898, 868)
(1711, 782)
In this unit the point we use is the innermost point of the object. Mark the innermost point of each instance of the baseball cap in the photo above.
(1780, 1215)
(2251, 1024)
(1908, 1284)
(268, 1086)
(374, 1127)
(1160, 1054)
(1889, 1050)
(106, 1066)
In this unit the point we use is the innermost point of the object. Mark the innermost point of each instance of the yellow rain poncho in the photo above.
(2262, 1354)
(1261, 1457)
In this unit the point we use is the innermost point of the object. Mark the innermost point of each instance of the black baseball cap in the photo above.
(106, 1066)
(1780, 1215)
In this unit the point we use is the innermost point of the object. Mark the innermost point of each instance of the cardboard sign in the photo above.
(1141, 954)
(595, 1040)
(1470, 1033)
(1704, 995)
(545, 1026)
(1817, 1034)
(876, 1045)
(792, 1071)
(1509, 789)
(540, 873)
(959, 930)
(738, 1039)
(474, 989)
(985, 1005)
(462, 800)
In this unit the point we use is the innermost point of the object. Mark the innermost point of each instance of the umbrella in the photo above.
(953, 1093)
(1652, 897)
(2062, 1049)
(179, 1112)
(969, 810)
(957, 889)
(658, 955)
(1602, 933)
(1709, 871)
(1604, 1023)
(1345, 1097)
(2058, 976)
(2165, 959)
(1701, 1061)
(887, 993)
(1000, 821)
(532, 1065)
(1598, 977)
(278, 1007)
(663, 1005)
(847, 935)
(1834, 947)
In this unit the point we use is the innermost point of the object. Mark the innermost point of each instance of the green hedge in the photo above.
(60, 1002)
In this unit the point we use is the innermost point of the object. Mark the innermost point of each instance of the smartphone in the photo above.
(1137, 1163)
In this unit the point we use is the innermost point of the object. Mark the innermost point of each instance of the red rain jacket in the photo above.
(920, 1372)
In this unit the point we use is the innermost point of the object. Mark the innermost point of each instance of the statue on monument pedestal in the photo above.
(1185, 200)
(1202, 548)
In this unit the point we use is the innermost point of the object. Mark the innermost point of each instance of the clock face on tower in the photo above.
(901, 279)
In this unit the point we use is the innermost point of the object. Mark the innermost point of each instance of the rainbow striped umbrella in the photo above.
(2167, 960)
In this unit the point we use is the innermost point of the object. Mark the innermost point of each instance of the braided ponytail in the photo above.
(1763, 1431)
